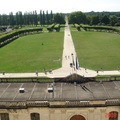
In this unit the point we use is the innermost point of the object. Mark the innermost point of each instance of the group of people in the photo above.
(50, 71)
(67, 57)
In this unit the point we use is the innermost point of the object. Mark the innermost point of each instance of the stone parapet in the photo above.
(58, 104)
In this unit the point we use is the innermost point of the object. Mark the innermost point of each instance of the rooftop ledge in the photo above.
(27, 104)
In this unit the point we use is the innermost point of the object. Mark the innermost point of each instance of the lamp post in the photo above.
(73, 63)
(72, 58)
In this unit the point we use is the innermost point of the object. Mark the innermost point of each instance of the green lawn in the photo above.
(97, 50)
(33, 52)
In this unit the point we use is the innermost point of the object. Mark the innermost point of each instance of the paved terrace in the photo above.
(69, 55)
(62, 91)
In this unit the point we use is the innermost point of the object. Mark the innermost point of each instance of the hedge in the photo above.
(100, 28)
(50, 27)
(7, 38)
(77, 26)
(57, 27)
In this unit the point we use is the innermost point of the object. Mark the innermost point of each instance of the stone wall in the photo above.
(89, 113)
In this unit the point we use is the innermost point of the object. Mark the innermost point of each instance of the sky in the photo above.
(58, 6)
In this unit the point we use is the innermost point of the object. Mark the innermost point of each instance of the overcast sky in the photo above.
(61, 6)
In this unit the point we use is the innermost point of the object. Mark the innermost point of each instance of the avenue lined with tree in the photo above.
(31, 18)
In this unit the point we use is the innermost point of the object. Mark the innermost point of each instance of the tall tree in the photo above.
(105, 19)
(77, 17)
(47, 18)
(59, 18)
(19, 18)
(11, 19)
(0, 20)
(31, 18)
(88, 20)
(25, 20)
(35, 18)
(4, 19)
(95, 20)
(41, 18)
(51, 17)
(113, 20)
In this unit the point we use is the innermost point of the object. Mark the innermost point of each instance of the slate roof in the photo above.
(61, 91)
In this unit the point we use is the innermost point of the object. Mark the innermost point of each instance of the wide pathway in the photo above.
(69, 58)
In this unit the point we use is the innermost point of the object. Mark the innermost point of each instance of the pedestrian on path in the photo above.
(45, 71)
(36, 72)
(118, 68)
(66, 57)
(85, 70)
(3, 73)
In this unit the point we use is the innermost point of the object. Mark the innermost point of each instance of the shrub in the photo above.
(57, 27)
(50, 27)
(77, 27)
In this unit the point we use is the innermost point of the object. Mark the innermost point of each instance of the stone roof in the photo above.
(88, 91)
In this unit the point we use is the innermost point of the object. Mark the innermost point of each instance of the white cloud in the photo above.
(58, 5)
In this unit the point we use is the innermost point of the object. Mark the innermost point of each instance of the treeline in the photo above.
(31, 18)
(95, 18)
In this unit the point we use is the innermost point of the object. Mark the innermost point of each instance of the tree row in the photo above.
(31, 18)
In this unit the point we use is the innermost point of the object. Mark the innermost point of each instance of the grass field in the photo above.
(97, 50)
(33, 52)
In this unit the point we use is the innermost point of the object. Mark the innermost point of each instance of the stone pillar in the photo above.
(103, 112)
(63, 114)
(91, 114)
(52, 114)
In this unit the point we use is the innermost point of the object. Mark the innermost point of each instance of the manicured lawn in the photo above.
(97, 50)
(33, 52)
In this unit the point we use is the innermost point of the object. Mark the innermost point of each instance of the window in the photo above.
(4, 116)
(113, 115)
(35, 116)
